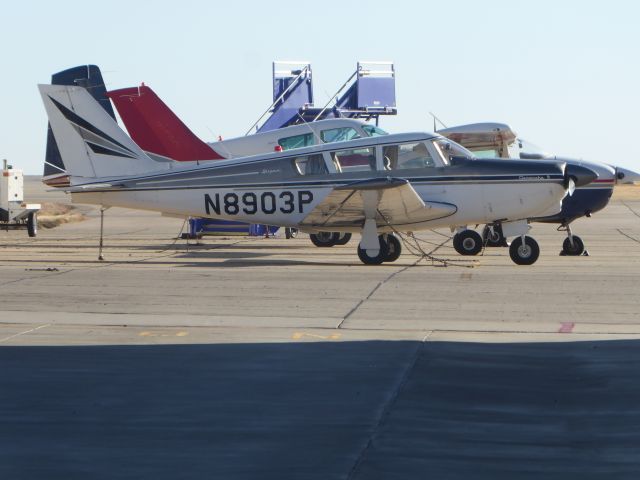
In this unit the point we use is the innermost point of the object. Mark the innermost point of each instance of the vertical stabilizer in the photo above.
(90, 142)
(89, 77)
(156, 129)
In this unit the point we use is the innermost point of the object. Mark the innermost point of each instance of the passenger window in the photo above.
(338, 134)
(486, 153)
(311, 165)
(406, 155)
(297, 141)
(354, 160)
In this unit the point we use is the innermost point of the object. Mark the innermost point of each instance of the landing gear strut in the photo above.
(573, 244)
(492, 236)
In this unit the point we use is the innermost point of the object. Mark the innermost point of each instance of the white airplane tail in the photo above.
(91, 143)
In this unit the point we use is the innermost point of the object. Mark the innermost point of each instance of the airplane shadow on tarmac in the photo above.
(366, 410)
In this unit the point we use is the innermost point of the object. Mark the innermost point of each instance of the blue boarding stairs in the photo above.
(368, 94)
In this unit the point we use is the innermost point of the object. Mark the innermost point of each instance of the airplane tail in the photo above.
(90, 142)
(89, 77)
(156, 129)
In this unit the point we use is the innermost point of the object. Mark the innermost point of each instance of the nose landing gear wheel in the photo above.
(394, 247)
(576, 249)
(467, 242)
(382, 255)
(524, 253)
(324, 239)
(290, 232)
(493, 236)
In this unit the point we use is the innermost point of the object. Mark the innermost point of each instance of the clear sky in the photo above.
(563, 74)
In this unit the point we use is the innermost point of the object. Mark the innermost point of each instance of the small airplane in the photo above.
(498, 140)
(162, 135)
(375, 186)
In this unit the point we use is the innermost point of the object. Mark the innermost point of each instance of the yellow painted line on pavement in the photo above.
(300, 335)
(148, 333)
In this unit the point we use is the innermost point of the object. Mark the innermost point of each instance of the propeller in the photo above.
(571, 187)
(577, 176)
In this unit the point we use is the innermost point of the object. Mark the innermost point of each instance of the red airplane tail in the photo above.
(156, 129)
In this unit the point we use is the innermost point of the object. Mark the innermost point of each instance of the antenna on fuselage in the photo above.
(313, 132)
(438, 120)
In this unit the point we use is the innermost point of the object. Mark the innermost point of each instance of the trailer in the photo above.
(14, 212)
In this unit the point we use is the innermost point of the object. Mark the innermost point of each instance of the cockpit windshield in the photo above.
(449, 149)
(373, 131)
(528, 150)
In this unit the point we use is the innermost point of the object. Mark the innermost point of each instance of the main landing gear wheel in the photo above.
(290, 232)
(32, 224)
(382, 255)
(343, 239)
(524, 252)
(467, 242)
(493, 237)
(324, 239)
(394, 247)
(576, 249)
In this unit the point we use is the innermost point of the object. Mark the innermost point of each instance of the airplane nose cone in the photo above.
(581, 175)
(624, 176)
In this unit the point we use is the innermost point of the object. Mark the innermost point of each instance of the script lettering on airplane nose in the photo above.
(251, 203)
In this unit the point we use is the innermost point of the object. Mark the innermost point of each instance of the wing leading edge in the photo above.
(390, 201)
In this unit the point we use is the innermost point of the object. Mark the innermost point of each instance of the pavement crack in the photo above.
(49, 273)
(631, 209)
(6, 339)
(374, 290)
(628, 236)
(387, 407)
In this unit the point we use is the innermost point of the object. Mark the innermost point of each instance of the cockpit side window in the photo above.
(354, 160)
(373, 131)
(449, 149)
(406, 155)
(310, 165)
(297, 141)
(338, 134)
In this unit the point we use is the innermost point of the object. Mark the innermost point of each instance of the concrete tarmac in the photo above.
(261, 358)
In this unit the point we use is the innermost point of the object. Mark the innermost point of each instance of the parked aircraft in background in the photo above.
(374, 186)
(159, 131)
(497, 140)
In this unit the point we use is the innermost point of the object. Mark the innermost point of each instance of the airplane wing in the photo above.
(478, 135)
(397, 204)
